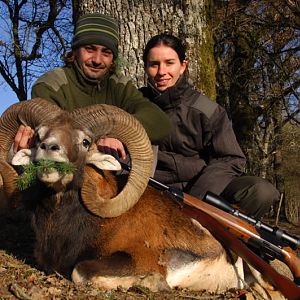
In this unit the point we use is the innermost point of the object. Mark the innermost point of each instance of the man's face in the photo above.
(94, 60)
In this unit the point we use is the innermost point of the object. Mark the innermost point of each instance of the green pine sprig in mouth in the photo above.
(29, 176)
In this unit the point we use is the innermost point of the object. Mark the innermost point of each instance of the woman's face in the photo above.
(164, 67)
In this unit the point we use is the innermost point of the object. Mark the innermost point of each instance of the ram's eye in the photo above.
(86, 143)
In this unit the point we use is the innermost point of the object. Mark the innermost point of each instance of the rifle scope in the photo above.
(217, 201)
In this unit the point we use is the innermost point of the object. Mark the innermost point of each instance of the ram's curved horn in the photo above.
(105, 120)
(31, 113)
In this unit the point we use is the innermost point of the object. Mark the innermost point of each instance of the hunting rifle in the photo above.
(270, 242)
(228, 223)
(235, 233)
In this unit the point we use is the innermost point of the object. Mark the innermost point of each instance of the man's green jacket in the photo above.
(69, 88)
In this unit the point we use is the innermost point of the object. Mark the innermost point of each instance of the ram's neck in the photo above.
(64, 232)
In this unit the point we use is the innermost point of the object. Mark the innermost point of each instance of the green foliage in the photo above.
(29, 176)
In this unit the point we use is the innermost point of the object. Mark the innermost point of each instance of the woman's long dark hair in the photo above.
(167, 40)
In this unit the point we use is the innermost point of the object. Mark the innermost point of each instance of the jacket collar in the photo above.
(172, 96)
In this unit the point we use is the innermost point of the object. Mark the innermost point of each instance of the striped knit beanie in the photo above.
(97, 29)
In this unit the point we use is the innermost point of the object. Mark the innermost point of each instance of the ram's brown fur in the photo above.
(139, 242)
(151, 228)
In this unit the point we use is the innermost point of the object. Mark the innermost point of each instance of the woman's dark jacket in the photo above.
(202, 153)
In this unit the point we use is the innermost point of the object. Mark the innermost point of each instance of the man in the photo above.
(89, 77)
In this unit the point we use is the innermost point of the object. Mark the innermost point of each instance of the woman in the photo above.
(202, 153)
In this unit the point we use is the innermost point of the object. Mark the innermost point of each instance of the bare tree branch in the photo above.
(35, 40)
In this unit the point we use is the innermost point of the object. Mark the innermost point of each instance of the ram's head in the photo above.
(64, 137)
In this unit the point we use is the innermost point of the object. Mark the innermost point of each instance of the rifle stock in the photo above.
(293, 262)
(288, 289)
(246, 232)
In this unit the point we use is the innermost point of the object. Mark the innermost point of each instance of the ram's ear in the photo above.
(22, 157)
(103, 161)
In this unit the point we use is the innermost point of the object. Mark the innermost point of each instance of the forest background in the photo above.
(243, 54)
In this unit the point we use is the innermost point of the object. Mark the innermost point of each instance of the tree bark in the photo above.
(291, 172)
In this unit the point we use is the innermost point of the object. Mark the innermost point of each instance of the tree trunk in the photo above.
(140, 20)
(291, 172)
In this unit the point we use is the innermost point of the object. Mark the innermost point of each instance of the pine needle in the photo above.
(29, 176)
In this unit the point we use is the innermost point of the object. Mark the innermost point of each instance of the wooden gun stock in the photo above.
(245, 232)
(288, 289)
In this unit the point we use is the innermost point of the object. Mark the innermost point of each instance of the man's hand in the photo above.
(111, 146)
(23, 138)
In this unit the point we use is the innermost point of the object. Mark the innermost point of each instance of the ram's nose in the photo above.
(50, 146)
